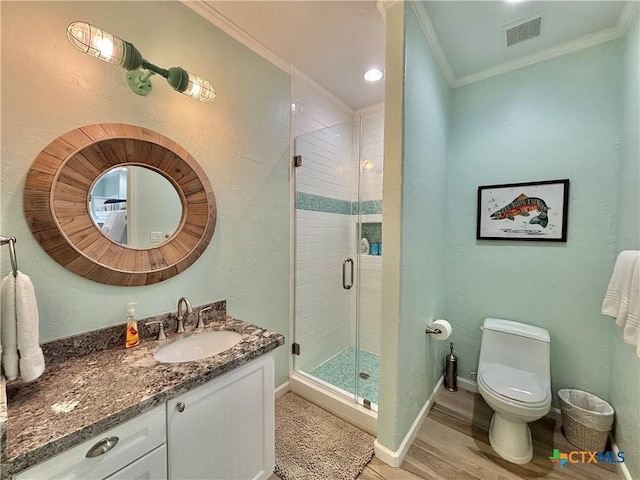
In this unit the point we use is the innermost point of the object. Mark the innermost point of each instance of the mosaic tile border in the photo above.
(368, 207)
(319, 203)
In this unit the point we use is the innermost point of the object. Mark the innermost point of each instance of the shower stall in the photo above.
(338, 260)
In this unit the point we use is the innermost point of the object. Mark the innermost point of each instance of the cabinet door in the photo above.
(135, 437)
(153, 466)
(226, 428)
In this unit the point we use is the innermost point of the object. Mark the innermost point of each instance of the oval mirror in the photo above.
(135, 206)
(58, 196)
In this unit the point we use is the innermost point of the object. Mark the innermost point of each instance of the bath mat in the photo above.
(312, 444)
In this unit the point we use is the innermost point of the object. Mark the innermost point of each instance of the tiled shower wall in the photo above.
(327, 136)
(372, 151)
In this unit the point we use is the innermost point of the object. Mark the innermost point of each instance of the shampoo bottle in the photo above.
(133, 338)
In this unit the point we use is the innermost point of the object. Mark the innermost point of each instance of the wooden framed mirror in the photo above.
(58, 195)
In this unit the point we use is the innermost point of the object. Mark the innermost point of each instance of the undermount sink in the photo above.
(197, 347)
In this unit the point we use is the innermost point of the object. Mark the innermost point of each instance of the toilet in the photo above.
(514, 379)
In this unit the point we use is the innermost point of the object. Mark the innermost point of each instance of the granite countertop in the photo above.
(80, 397)
(3, 416)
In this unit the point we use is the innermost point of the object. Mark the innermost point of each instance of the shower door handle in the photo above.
(344, 274)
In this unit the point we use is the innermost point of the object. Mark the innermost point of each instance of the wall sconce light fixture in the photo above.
(100, 44)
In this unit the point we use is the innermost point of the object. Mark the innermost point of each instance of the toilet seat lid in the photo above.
(515, 384)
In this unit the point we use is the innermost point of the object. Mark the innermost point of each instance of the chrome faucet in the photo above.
(200, 324)
(181, 318)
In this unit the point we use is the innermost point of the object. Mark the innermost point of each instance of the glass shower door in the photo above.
(369, 294)
(325, 258)
(338, 257)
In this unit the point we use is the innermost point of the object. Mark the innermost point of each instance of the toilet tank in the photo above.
(516, 345)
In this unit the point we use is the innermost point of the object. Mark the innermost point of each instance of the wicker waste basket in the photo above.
(586, 419)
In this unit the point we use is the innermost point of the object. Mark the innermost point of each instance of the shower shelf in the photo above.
(372, 231)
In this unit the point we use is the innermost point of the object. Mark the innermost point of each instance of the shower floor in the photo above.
(339, 371)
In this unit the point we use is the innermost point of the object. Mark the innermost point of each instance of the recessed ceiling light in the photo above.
(373, 75)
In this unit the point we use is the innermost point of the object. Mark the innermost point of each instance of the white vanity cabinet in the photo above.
(150, 467)
(140, 449)
(225, 429)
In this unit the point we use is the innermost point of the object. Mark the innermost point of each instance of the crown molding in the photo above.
(585, 41)
(589, 40)
(430, 33)
(370, 110)
(206, 11)
(384, 5)
(320, 90)
(209, 13)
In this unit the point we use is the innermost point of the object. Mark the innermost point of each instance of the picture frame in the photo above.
(524, 211)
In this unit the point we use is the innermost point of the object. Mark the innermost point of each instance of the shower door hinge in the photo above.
(295, 348)
(366, 403)
(297, 160)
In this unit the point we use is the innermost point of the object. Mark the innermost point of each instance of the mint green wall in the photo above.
(556, 119)
(552, 120)
(628, 225)
(241, 141)
(158, 205)
(422, 208)
(625, 375)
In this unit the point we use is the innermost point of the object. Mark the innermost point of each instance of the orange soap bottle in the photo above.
(132, 338)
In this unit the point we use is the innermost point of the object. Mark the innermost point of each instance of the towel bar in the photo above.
(12, 252)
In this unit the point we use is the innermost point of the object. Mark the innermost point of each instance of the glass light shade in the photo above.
(200, 89)
(97, 43)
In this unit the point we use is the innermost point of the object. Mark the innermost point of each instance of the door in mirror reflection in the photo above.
(135, 206)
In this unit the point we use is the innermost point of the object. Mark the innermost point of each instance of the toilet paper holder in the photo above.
(439, 329)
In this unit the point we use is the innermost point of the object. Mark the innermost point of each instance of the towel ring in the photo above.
(12, 252)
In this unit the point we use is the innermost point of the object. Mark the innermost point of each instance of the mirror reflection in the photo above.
(135, 206)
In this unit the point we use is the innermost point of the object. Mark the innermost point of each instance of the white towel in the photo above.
(20, 328)
(9, 336)
(617, 297)
(631, 333)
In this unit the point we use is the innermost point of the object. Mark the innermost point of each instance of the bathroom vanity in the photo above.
(209, 418)
(155, 410)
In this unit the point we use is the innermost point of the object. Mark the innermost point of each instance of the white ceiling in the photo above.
(473, 38)
(334, 42)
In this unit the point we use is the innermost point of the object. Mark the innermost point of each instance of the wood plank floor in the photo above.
(453, 444)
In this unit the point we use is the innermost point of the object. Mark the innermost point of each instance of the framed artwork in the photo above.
(524, 211)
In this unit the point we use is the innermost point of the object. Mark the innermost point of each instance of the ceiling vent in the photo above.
(523, 30)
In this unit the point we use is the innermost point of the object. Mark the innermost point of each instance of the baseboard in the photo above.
(389, 457)
(555, 413)
(624, 471)
(282, 389)
(468, 385)
(395, 458)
